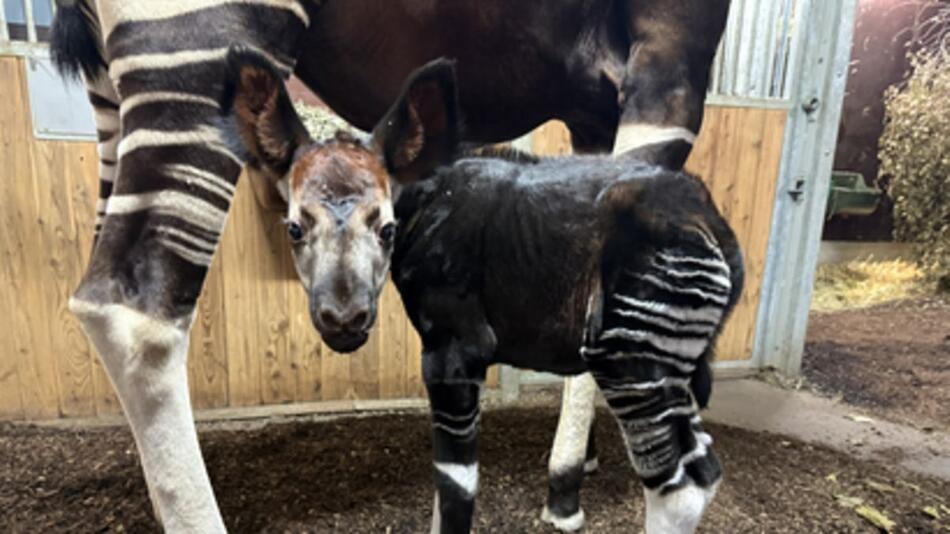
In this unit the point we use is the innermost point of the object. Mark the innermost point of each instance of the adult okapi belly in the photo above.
(519, 63)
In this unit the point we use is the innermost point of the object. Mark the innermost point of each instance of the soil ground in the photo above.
(892, 359)
(372, 474)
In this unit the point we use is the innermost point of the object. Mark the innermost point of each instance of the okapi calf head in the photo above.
(340, 193)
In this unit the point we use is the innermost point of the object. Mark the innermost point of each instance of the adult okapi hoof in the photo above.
(571, 523)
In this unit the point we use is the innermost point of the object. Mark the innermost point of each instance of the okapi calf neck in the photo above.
(569, 265)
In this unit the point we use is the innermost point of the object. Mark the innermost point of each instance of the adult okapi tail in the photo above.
(75, 39)
(666, 230)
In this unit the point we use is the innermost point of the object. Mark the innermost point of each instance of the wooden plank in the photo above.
(364, 368)
(57, 169)
(335, 373)
(279, 371)
(393, 346)
(756, 238)
(257, 284)
(240, 254)
(307, 352)
(25, 251)
(11, 117)
(737, 154)
(207, 355)
(83, 206)
(740, 199)
(414, 384)
(551, 139)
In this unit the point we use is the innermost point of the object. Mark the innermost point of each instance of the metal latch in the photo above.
(798, 190)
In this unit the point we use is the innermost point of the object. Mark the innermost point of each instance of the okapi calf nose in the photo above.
(343, 320)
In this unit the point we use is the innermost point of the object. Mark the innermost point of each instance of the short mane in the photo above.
(505, 152)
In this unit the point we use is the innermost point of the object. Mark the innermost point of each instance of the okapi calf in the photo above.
(568, 265)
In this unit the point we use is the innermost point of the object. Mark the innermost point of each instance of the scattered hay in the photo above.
(322, 123)
(859, 284)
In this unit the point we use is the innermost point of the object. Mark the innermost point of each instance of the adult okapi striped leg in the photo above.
(648, 344)
(136, 301)
(161, 221)
(455, 417)
(105, 104)
(663, 89)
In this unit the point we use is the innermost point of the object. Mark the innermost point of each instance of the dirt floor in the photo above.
(892, 359)
(372, 474)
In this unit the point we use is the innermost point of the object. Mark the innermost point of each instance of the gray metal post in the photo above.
(819, 72)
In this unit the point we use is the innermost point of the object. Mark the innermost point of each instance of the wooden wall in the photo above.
(252, 341)
(737, 154)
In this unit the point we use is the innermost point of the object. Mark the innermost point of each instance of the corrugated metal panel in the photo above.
(753, 58)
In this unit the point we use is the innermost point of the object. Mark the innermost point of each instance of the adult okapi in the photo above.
(169, 156)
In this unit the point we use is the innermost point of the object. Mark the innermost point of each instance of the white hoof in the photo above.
(591, 466)
(564, 524)
(677, 512)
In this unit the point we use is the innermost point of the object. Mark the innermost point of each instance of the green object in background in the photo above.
(849, 195)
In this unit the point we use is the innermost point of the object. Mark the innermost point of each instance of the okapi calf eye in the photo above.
(387, 233)
(294, 231)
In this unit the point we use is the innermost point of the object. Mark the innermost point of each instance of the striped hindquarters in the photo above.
(659, 320)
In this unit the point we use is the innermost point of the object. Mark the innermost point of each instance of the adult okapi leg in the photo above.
(136, 301)
(105, 103)
(161, 224)
(663, 89)
(571, 454)
(162, 219)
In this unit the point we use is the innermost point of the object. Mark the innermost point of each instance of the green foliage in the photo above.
(915, 159)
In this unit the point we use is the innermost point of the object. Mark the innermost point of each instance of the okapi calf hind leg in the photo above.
(648, 343)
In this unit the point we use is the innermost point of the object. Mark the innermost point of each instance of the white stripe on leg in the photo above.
(635, 135)
(465, 476)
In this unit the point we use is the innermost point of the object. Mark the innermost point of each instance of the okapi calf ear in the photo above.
(267, 123)
(421, 130)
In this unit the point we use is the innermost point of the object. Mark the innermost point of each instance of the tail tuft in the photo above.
(74, 44)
